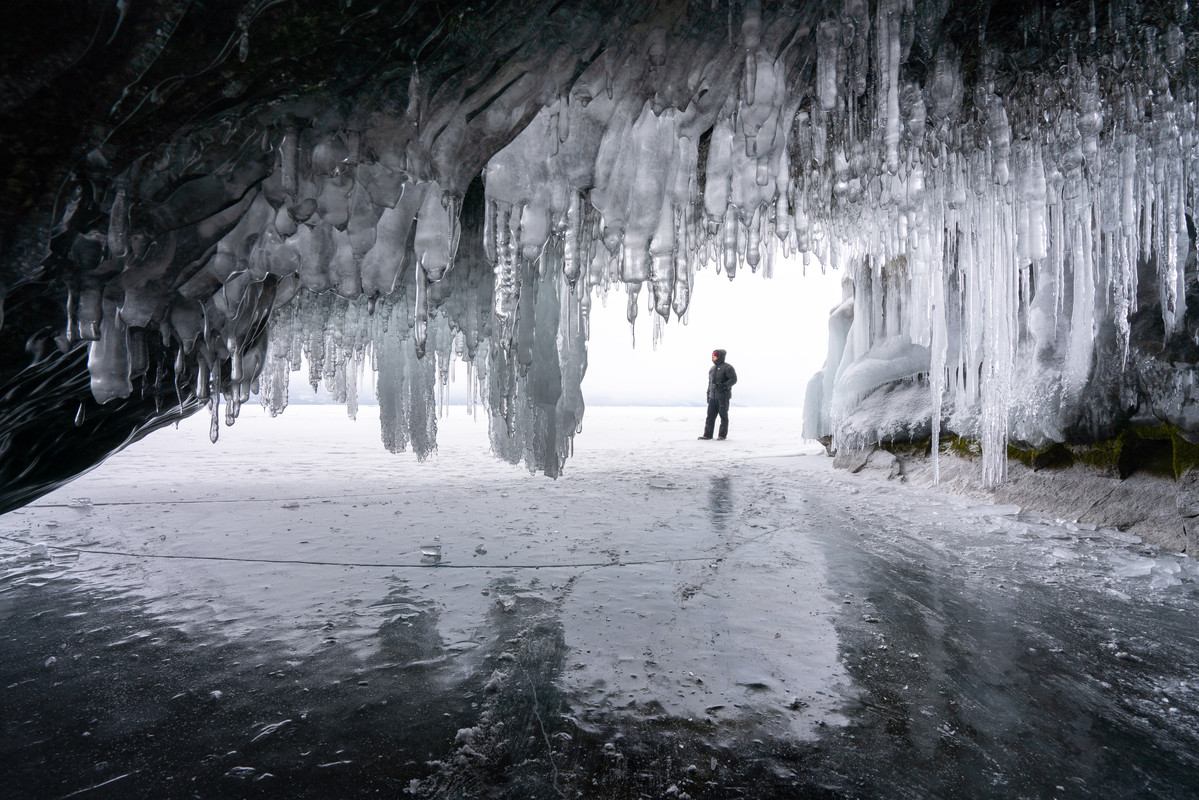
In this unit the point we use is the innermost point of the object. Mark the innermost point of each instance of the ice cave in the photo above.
(204, 205)
(196, 198)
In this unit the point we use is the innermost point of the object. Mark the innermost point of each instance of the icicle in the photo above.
(288, 157)
(828, 44)
(243, 38)
(889, 51)
(118, 221)
(574, 254)
(108, 361)
(437, 233)
(90, 314)
(1032, 226)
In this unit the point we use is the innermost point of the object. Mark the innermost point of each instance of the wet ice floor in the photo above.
(672, 618)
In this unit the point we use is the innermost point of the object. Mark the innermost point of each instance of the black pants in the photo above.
(715, 407)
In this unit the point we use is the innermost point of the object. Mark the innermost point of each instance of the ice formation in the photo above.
(1007, 189)
(1007, 225)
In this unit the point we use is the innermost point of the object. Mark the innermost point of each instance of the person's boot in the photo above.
(705, 437)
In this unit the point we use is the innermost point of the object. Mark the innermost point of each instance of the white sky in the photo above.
(775, 331)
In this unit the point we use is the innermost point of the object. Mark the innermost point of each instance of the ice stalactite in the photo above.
(356, 223)
(1018, 222)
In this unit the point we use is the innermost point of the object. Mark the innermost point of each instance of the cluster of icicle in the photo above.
(980, 229)
(989, 237)
(352, 238)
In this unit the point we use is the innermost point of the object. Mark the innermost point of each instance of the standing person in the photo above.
(721, 378)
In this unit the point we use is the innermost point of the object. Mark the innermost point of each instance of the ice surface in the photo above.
(495, 538)
(760, 601)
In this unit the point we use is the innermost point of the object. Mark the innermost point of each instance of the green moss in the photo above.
(1157, 450)
(1025, 457)
(1101, 455)
(1182, 454)
(961, 446)
(1186, 455)
(1055, 456)
(919, 449)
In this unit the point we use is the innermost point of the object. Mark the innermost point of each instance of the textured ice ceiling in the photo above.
(196, 195)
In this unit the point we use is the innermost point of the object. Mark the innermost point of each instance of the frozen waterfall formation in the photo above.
(196, 196)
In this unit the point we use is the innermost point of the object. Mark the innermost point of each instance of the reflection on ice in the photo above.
(720, 500)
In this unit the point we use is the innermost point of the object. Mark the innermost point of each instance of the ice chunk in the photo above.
(108, 360)
(1134, 567)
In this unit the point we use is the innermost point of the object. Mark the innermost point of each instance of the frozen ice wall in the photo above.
(1014, 211)
(1007, 189)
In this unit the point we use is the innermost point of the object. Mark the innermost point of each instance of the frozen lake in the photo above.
(672, 618)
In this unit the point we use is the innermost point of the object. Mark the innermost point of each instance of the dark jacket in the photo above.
(721, 378)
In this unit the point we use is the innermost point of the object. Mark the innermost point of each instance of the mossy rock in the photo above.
(1056, 456)
(962, 446)
(921, 449)
(1101, 455)
(1157, 450)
